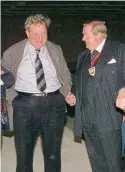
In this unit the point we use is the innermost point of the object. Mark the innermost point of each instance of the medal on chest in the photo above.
(92, 71)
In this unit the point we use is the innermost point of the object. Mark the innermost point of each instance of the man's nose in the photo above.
(39, 37)
(83, 38)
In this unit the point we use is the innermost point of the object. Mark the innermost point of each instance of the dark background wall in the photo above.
(66, 28)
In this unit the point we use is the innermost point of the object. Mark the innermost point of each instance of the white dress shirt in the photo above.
(26, 76)
(99, 48)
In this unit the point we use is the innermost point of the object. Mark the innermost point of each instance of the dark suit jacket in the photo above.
(110, 78)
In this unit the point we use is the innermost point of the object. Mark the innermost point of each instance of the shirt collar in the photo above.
(99, 48)
(32, 48)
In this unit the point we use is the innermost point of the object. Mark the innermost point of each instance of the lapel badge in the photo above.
(92, 71)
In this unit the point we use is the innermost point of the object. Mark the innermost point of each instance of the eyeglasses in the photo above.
(38, 36)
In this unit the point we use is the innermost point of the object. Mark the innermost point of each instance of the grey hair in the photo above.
(98, 26)
(38, 18)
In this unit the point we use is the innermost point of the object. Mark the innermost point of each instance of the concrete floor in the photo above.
(74, 155)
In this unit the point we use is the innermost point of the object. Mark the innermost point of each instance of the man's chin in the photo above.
(39, 45)
(87, 47)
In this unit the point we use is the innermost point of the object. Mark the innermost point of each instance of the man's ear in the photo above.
(27, 33)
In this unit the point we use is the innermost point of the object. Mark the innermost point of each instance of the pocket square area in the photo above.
(112, 61)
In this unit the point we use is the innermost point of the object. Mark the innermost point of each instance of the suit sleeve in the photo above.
(124, 68)
(78, 111)
(6, 59)
(124, 65)
(65, 73)
(7, 78)
(73, 89)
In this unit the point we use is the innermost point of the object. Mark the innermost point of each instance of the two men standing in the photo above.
(40, 106)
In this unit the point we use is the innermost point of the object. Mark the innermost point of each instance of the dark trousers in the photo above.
(31, 116)
(104, 149)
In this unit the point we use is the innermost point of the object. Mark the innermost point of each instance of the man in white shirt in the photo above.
(42, 83)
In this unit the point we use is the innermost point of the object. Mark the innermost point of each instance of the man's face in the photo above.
(37, 35)
(89, 38)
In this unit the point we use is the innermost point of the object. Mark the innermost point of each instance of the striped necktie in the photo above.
(40, 77)
(94, 57)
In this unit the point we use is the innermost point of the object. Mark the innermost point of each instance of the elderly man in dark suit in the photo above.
(99, 79)
(42, 83)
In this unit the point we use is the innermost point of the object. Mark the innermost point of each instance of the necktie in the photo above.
(94, 57)
(40, 77)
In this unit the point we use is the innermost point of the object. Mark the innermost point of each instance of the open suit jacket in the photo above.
(12, 57)
(110, 78)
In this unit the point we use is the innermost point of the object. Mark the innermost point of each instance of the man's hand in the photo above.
(70, 99)
(120, 101)
(123, 118)
(1, 72)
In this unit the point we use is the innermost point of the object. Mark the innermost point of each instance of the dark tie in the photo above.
(94, 57)
(40, 77)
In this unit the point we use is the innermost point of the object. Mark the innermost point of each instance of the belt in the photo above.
(42, 94)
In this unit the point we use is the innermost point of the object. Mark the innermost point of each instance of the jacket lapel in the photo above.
(53, 53)
(105, 56)
(82, 71)
(83, 61)
(19, 54)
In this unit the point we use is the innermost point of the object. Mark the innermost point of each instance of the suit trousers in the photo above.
(34, 115)
(104, 149)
